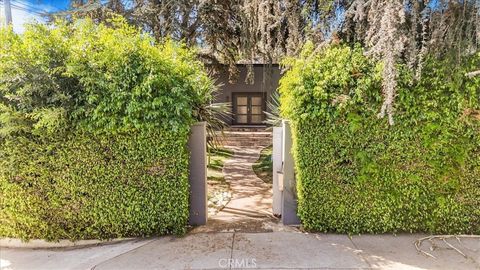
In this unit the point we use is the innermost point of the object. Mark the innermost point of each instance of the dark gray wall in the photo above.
(227, 89)
(197, 145)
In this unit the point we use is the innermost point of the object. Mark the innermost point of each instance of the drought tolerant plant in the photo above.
(273, 117)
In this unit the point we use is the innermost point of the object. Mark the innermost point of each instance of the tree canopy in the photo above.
(266, 31)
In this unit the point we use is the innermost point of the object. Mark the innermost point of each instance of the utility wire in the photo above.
(29, 10)
(28, 5)
(24, 6)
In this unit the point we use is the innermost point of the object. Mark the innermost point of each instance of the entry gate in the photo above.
(284, 185)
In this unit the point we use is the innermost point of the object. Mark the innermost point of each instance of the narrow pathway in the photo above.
(251, 197)
(250, 208)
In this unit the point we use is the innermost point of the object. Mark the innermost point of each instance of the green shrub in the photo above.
(101, 78)
(94, 123)
(357, 174)
(81, 186)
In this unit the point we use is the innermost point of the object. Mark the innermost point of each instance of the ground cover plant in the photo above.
(218, 188)
(263, 167)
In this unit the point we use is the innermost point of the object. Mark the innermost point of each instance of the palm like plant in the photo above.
(214, 115)
(273, 118)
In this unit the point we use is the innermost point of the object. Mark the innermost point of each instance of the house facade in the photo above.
(249, 101)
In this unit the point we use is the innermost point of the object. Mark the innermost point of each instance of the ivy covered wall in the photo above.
(94, 123)
(356, 173)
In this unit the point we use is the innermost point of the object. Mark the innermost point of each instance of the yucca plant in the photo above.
(214, 114)
(273, 118)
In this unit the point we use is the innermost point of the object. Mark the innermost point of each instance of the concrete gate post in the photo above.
(277, 167)
(289, 194)
(197, 144)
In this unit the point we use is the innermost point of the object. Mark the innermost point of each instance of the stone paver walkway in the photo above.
(250, 208)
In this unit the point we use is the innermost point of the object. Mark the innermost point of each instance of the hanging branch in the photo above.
(386, 41)
(253, 31)
(418, 243)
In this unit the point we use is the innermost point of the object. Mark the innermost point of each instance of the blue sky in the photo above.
(29, 10)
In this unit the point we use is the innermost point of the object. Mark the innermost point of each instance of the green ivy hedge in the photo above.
(357, 174)
(94, 123)
(80, 186)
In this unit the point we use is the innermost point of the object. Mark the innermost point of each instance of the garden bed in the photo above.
(263, 167)
(219, 192)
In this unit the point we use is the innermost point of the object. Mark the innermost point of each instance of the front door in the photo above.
(248, 108)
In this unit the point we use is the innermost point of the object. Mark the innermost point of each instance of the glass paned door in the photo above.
(241, 114)
(248, 108)
(256, 110)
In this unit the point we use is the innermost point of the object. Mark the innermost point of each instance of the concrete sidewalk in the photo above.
(275, 250)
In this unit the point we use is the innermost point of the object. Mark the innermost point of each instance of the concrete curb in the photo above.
(43, 244)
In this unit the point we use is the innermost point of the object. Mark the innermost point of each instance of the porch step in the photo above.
(243, 134)
(245, 138)
(247, 128)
